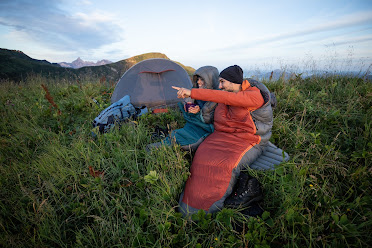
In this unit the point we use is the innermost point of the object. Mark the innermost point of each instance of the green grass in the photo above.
(320, 198)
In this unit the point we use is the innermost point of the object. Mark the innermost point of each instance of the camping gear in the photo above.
(193, 133)
(254, 210)
(246, 191)
(117, 112)
(159, 132)
(159, 110)
(209, 74)
(270, 157)
(214, 170)
(233, 73)
(241, 135)
(198, 126)
(189, 105)
(149, 83)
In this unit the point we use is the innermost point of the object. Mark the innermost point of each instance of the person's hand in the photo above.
(182, 92)
(194, 110)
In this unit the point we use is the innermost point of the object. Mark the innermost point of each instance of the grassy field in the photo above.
(62, 187)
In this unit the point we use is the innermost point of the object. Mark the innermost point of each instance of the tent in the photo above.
(149, 83)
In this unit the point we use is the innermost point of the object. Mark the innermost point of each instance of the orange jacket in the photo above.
(233, 113)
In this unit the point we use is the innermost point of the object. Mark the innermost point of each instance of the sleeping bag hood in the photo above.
(210, 76)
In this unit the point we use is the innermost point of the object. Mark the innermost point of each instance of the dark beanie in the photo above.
(233, 74)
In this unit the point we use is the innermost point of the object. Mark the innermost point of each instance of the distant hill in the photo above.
(78, 63)
(113, 72)
(17, 66)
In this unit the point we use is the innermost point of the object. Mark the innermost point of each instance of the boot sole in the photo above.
(256, 199)
(246, 204)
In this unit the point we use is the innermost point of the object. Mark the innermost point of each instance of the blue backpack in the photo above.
(117, 112)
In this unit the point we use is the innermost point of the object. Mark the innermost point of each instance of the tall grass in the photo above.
(50, 197)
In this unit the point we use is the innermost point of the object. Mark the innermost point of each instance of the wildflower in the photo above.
(216, 239)
(348, 210)
(311, 185)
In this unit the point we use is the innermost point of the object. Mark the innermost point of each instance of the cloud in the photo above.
(347, 38)
(348, 21)
(350, 41)
(84, 2)
(45, 22)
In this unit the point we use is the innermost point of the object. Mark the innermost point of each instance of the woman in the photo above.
(198, 114)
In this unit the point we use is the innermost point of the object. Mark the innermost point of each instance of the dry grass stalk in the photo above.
(50, 98)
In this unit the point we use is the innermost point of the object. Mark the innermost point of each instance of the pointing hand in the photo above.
(182, 92)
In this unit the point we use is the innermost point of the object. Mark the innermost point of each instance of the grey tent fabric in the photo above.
(270, 157)
(149, 83)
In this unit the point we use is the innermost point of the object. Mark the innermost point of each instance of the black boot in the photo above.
(254, 210)
(160, 133)
(247, 191)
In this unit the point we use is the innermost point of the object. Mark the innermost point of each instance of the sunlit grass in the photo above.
(320, 198)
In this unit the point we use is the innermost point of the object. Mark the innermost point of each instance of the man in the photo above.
(239, 138)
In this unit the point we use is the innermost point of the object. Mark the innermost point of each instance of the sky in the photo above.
(272, 34)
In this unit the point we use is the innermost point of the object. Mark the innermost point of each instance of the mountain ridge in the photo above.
(17, 66)
(78, 63)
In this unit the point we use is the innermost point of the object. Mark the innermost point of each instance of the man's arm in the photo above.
(250, 98)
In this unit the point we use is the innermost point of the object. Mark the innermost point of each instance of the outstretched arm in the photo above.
(250, 98)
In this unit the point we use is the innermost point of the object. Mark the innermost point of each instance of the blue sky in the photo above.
(253, 34)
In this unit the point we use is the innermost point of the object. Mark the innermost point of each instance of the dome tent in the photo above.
(149, 83)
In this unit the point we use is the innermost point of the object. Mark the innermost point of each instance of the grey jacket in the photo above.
(263, 117)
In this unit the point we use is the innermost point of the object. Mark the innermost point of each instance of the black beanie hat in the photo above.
(233, 73)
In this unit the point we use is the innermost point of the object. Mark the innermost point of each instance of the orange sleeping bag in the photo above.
(220, 153)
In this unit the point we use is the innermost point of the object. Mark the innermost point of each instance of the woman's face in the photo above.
(200, 82)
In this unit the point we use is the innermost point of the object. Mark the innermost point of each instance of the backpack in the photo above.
(117, 112)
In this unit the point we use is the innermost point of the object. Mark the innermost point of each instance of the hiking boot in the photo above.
(160, 133)
(255, 210)
(248, 190)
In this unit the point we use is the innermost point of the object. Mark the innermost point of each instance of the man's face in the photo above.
(226, 85)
